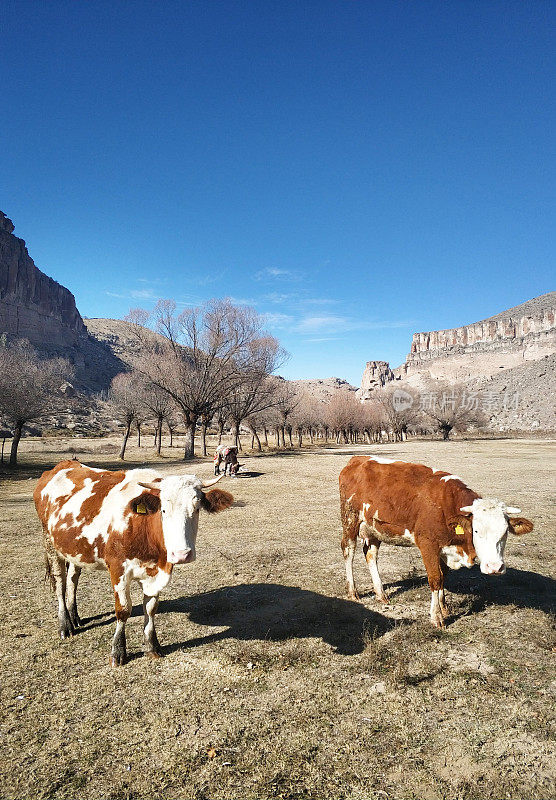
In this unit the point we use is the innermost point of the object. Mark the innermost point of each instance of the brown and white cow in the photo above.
(228, 455)
(137, 524)
(410, 504)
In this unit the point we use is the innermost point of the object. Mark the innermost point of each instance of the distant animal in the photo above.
(227, 455)
(137, 524)
(400, 503)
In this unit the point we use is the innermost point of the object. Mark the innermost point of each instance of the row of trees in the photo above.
(292, 416)
(214, 365)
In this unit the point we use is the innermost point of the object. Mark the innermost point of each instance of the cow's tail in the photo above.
(48, 574)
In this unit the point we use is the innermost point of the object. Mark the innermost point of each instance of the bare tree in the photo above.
(201, 355)
(126, 401)
(449, 408)
(29, 387)
(285, 402)
(161, 406)
(400, 409)
(254, 391)
(344, 415)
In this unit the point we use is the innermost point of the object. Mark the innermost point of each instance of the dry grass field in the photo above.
(273, 685)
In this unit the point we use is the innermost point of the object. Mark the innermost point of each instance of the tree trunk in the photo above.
(138, 434)
(220, 432)
(190, 423)
(204, 437)
(124, 442)
(265, 435)
(158, 436)
(290, 436)
(299, 437)
(257, 440)
(171, 435)
(15, 443)
(235, 433)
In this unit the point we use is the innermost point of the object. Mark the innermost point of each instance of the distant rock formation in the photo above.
(32, 305)
(376, 374)
(523, 333)
(510, 353)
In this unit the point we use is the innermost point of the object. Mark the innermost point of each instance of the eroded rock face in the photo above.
(376, 375)
(490, 334)
(524, 333)
(32, 305)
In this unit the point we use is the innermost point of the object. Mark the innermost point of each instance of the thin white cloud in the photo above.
(273, 273)
(332, 323)
(277, 320)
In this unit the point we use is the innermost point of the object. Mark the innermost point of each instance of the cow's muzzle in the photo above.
(493, 569)
(182, 557)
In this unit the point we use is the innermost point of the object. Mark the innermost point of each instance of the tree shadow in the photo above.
(274, 612)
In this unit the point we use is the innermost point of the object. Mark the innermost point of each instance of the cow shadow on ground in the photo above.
(518, 587)
(274, 612)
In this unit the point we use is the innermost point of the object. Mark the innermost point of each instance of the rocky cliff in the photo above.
(524, 333)
(32, 305)
(511, 352)
(35, 307)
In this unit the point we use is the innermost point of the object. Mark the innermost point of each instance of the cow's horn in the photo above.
(512, 511)
(152, 485)
(207, 484)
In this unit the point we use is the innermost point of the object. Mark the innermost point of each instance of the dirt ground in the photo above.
(273, 684)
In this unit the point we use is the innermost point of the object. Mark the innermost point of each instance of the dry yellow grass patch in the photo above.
(273, 684)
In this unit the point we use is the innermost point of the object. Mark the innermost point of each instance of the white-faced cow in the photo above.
(137, 524)
(410, 504)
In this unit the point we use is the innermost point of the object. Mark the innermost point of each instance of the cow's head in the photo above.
(180, 499)
(490, 521)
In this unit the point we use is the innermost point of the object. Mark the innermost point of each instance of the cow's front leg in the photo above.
(441, 594)
(431, 559)
(122, 602)
(152, 645)
(71, 590)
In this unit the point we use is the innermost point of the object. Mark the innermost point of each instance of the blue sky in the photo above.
(357, 171)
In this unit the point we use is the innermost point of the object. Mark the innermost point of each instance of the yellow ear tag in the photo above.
(459, 530)
(141, 508)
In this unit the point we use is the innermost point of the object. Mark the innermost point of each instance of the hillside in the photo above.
(511, 354)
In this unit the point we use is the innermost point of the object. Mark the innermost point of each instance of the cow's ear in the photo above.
(460, 525)
(520, 525)
(216, 500)
(148, 503)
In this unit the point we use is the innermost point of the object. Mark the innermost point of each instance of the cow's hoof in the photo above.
(117, 659)
(66, 629)
(154, 654)
(438, 621)
(382, 598)
(76, 621)
(354, 596)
